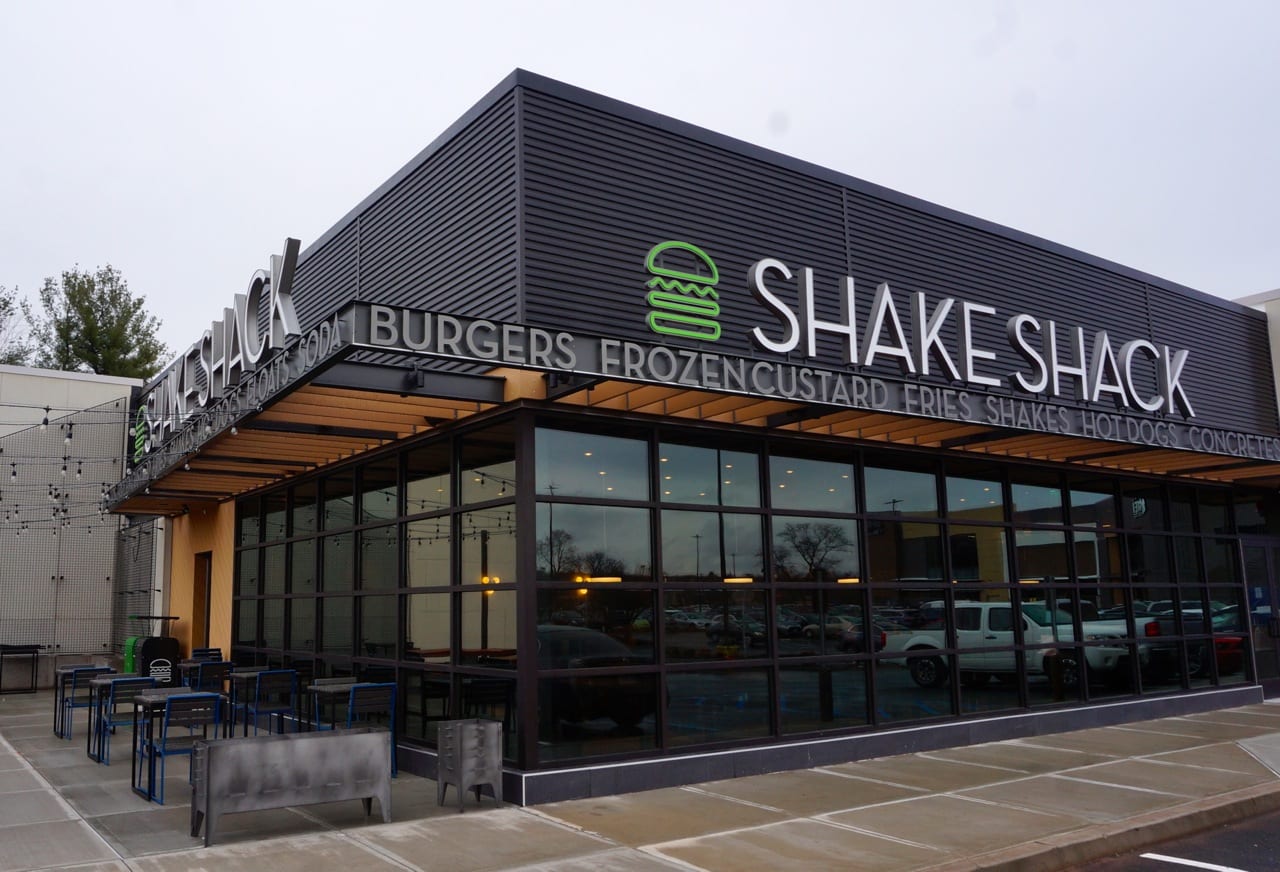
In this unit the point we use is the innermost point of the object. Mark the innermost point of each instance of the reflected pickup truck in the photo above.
(990, 625)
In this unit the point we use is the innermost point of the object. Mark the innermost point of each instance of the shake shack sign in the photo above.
(1040, 357)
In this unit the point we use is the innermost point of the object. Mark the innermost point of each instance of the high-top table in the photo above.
(332, 692)
(148, 707)
(99, 690)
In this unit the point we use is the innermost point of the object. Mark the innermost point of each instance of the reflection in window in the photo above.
(722, 623)
(693, 548)
(979, 554)
(1149, 559)
(1220, 561)
(304, 509)
(1036, 504)
(489, 628)
(1092, 508)
(338, 497)
(1213, 512)
(822, 696)
(489, 546)
(601, 542)
(247, 623)
(275, 505)
(302, 570)
(608, 714)
(708, 476)
(1186, 560)
(899, 551)
(717, 706)
(1041, 555)
(624, 616)
(302, 624)
(571, 464)
(815, 549)
(273, 569)
(488, 466)
(378, 626)
(427, 628)
(248, 524)
(811, 485)
(273, 623)
(379, 491)
(336, 631)
(427, 479)
(974, 499)
(339, 561)
(429, 547)
(248, 576)
(899, 492)
(380, 558)
(1142, 507)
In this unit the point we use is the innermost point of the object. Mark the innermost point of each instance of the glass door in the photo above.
(1262, 576)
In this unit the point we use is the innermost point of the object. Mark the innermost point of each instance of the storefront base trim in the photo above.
(629, 776)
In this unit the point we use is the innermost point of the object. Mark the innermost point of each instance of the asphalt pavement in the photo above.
(1042, 803)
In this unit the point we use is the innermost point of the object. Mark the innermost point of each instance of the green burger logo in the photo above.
(684, 302)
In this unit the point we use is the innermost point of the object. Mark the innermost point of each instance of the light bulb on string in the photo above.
(44, 423)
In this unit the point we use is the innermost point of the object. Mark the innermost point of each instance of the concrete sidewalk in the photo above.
(1041, 803)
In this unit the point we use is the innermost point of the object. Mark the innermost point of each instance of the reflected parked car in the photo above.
(626, 699)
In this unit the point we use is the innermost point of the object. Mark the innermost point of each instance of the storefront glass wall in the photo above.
(693, 588)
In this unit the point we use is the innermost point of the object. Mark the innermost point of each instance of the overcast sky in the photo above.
(182, 142)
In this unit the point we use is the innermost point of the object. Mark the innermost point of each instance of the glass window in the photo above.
(1036, 503)
(816, 621)
(625, 617)
(488, 465)
(822, 696)
(273, 623)
(973, 499)
(593, 542)
(570, 464)
(338, 495)
(1142, 507)
(489, 546)
(339, 561)
(708, 476)
(427, 555)
(275, 507)
(900, 492)
(249, 524)
(378, 626)
(427, 486)
(1186, 560)
(1097, 557)
(1149, 559)
(1041, 556)
(1214, 513)
(379, 491)
(708, 546)
(304, 509)
(247, 622)
(427, 627)
(607, 714)
(248, 580)
(302, 568)
(716, 706)
(302, 624)
(729, 622)
(1220, 561)
(273, 569)
(811, 485)
(380, 558)
(815, 549)
(979, 554)
(1092, 508)
(336, 628)
(489, 628)
(903, 552)
(1182, 513)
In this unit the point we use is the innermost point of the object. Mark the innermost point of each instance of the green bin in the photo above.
(130, 646)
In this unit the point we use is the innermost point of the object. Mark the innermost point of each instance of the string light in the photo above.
(44, 423)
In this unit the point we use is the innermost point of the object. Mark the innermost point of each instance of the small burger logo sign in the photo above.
(683, 300)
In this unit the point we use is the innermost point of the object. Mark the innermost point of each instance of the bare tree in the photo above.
(817, 544)
(13, 349)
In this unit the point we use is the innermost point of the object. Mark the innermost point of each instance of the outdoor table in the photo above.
(32, 651)
(332, 693)
(99, 690)
(241, 682)
(148, 707)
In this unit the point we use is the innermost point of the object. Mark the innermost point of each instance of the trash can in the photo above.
(469, 756)
(130, 653)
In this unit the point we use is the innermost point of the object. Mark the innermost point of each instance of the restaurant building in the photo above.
(685, 459)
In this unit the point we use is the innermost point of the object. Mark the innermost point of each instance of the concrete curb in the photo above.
(1084, 845)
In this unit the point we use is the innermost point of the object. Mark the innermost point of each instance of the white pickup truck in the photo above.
(989, 625)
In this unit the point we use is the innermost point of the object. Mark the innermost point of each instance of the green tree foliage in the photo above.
(92, 323)
(13, 350)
